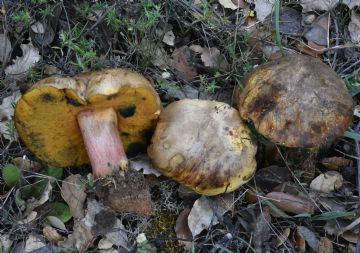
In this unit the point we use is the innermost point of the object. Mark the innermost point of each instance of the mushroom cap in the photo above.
(46, 116)
(296, 101)
(203, 145)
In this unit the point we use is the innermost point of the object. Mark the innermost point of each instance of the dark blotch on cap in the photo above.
(127, 111)
(47, 97)
(72, 101)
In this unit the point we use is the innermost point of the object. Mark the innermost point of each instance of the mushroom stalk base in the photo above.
(101, 137)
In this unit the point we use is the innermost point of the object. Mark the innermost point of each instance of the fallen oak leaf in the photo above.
(73, 192)
(21, 65)
(290, 203)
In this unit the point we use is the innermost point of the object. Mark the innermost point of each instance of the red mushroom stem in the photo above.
(103, 144)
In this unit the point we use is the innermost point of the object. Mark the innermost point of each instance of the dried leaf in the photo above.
(99, 220)
(160, 58)
(350, 236)
(34, 242)
(354, 27)
(33, 203)
(24, 163)
(181, 63)
(7, 108)
(169, 38)
(289, 21)
(73, 192)
(290, 203)
(23, 64)
(212, 58)
(325, 245)
(269, 177)
(5, 243)
(251, 197)
(105, 244)
(309, 237)
(327, 182)
(182, 229)
(52, 235)
(318, 32)
(264, 8)
(142, 163)
(30, 217)
(325, 5)
(117, 235)
(300, 242)
(201, 216)
(5, 48)
(228, 4)
(334, 163)
(56, 222)
(262, 229)
(281, 239)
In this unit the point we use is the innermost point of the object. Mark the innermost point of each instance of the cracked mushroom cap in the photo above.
(203, 145)
(296, 101)
(45, 116)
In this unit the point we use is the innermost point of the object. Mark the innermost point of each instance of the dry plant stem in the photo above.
(103, 144)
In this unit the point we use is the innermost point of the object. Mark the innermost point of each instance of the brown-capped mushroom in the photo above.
(296, 101)
(94, 116)
(203, 145)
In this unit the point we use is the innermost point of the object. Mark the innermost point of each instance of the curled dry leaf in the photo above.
(325, 246)
(309, 236)
(34, 242)
(350, 236)
(98, 221)
(182, 229)
(52, 235)
(251, 197)
(23, 64)
(169, 38)
(335, 163)
(281, 239)
(5, 48)
(181, 63)
(6, 114)
(327, 182)
(290, 203)
(31, 216)
(5, 243)
(354, 27)
(73, 192)
(203, 215)
(33, 203)
(105, 244)
(228, 4)
(262, 229)
(325, 5)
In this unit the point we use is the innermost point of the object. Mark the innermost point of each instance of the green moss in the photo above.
(163, 227)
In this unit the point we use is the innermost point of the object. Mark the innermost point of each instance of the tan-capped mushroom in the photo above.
(203, 145)
(296, 101)
(94, 116)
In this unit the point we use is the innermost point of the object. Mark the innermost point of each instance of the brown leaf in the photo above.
(311, 49)
(300, 242)
(350, 236)
(282, 237)
(272, 176)
(251, 196)
(309, 237)
(182, 229)
(262, 229)
(128, 193)
(181, 63)
(290, 203)
(52, 235)
(73, 192)
(334, 163)
(327, 182)
(325, 245)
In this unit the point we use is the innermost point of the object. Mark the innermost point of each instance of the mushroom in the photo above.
(296, 101)
(203, 145)
(94, 116)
